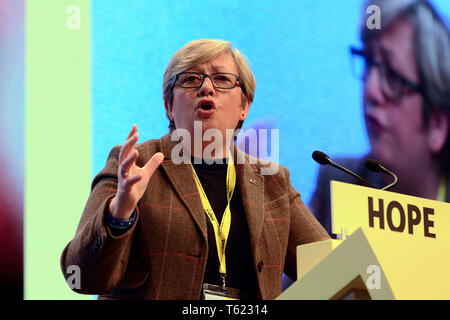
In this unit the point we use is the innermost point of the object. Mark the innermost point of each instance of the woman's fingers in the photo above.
(130, 181)
(129, 143)
(153, 163)
(128, 163)
(132, 131)
(127, 147)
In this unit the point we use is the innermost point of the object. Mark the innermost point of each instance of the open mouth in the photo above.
(206, 105)
(373, 125)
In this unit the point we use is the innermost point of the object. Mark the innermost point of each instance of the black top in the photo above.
(238, 253)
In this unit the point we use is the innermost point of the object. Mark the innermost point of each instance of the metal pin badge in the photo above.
(253, 181)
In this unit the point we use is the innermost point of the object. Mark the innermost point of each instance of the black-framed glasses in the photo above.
(393, 84)
(220, 80)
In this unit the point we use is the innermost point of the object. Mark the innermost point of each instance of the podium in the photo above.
(392, 246)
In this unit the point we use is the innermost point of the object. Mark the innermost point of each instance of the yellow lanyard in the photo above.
(221, 232)
(442, 189)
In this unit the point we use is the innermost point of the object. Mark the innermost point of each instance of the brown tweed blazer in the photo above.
(164, 254)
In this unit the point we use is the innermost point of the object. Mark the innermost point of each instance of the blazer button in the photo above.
(260, 266)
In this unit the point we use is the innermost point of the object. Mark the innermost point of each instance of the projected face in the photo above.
(395, 125)
(216, 108)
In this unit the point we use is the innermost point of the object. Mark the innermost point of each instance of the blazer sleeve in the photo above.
(304, 228)
(100, 257)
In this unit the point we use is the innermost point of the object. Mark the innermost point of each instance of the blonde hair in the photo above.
(200, 51)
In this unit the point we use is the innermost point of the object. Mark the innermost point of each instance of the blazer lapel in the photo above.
(251, 186)
(180, 175)
(250, 182)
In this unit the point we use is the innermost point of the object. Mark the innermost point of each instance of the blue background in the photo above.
(298, 51)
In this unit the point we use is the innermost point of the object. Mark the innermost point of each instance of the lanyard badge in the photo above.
(221, 232)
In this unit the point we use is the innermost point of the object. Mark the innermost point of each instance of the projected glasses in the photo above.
(220, 80)
(393, 85)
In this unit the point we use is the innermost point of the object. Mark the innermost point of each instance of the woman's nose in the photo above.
(372, 87)
(207, 87)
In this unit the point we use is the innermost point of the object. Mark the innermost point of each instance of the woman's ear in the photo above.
(438, 131)
(245, 110)
(168, 108)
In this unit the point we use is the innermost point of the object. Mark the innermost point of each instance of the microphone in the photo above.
(323, 159)
(375, 166)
